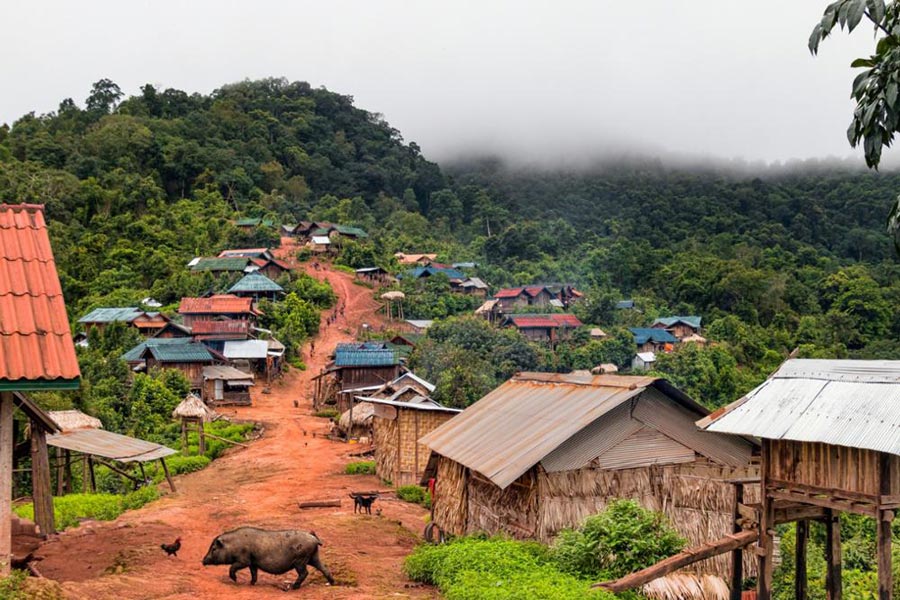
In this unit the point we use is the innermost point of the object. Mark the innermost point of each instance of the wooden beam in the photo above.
(884, 533)
(868, 510)
(60, 472)
(800, 581)
(162, 461)
(6, 475)
(766, 546)
(737, 555)
(833, 579)
(682, 559)
(41, 494)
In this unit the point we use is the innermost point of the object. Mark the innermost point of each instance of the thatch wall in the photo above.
(385, 438)
(451, 497)
(514, 511)
(694, 496)
(363, 415)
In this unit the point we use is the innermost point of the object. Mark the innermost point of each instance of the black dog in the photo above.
(363, 502)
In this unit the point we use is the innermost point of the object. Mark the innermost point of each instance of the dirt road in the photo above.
(260, 485)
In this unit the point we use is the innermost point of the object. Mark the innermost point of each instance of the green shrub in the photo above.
(328, 413)
(12, 587)
(415, 494)
(68, 510)
(495, 569)
(620, 540)
(365, 467)
(297, 363)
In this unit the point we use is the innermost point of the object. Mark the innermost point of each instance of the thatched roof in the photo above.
(363, 413)
(70, 420)
(686, 586)
(193, 407)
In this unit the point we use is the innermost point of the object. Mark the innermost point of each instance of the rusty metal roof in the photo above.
(223, 304)
(36, 347)
(99, 442)
(515, 426)
(850, 403)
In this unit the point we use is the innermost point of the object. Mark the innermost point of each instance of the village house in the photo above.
(473, 286)
(416, 325)
(338, 232)
(420, 260)
(653, 340)
(214, 264)
(830, 444)
(512, 299)
(304, 229)
(548, 328)
(224, 385)
(189, 358)
(490, 310)
(249, 224)
(173, 330)
(255, 356)
(680, 327)
(219, 306)
(256, 286)
(373, 275)
(147, 323)
(357, 421)
(319, 244)
(544, 451)
(459, 281)
(355, 365)
(263, 253)
(270, 267)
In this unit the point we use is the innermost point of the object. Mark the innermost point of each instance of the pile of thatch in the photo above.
(685, 586)
(513, 510)
(363, 414)
(192, 407)
(70, 420)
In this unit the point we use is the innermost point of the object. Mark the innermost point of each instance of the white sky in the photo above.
(722, 78)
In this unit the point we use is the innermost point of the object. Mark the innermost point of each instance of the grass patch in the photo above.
(68, 510)
(327, 413)
(363, 467)
(475, 568)
(415, 494)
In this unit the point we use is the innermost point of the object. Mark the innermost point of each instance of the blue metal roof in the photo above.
(691, 321)
(181, 353)
(366, 354)
(135, 353)
(642, 335)
(255, 282)
(109, 315)
(429, 270)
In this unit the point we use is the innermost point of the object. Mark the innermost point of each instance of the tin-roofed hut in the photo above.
(830, 432)
(544, 451)
(193, 412)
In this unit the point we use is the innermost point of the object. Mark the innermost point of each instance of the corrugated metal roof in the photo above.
(421, 404)
(434, 270)
(375, 357)
(244, 253)
(549, 320)
(99, 442)
(420, 323)
(214, 327)
(515, 426)
(180, 353)
(642, 335)
(854, 403)
(135, 353)
(109, 315)
(36, 346)
(255, 282)
(321, 240)
(625, 304)
(253, 349)
(691, 321)
(226, 373)
(225, 304)
(220, 264)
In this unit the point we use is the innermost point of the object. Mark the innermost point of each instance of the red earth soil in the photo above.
(260, 485)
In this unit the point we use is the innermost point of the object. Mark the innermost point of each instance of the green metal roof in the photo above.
(135, 353)
(691, 321)
(254, 222)
(110, 315)
(255, 282)
(180, 353)
(345, 230)
(221, 264)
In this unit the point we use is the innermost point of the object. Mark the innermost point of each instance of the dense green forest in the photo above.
(773, 261)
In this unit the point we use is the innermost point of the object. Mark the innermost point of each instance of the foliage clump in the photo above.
(476, 568)
(363, 467)
(415, 494)
(620, 540)
(70, 509)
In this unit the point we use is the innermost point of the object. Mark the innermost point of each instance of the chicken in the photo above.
(172, 549)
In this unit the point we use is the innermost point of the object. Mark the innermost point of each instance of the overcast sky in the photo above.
(722, 78)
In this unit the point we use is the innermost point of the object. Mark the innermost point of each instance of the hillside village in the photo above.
(261, 307)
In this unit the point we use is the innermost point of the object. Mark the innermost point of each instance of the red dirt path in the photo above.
(260, 486)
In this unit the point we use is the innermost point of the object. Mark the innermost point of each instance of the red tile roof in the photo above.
(550, 321)
(35, 339)
(566, 320)
(216, 305)
(534, 290)
(509, 292)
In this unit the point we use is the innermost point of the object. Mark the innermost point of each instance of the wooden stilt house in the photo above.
(830, 432)
(36, 353)
(544, 451)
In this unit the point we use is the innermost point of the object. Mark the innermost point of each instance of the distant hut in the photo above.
(357, 423)
(193, 412)
(544, 451)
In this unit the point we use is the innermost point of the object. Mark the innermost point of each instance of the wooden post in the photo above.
(832, 555)
(201, 438)
(184, 436)
(885, 578)
(416, 447)
(60, 472)
(90, 463)
(40, 481)
(162, 461)
(6, 476)
(766, 545)
(67, 486)
(85, 474)
(800, 560)
(737, 555)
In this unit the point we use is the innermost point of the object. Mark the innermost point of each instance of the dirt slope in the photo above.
(261, 486)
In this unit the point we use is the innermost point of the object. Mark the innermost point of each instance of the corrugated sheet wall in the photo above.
(644, 447)
(592, 441)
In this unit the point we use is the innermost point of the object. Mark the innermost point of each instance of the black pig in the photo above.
(274, 552)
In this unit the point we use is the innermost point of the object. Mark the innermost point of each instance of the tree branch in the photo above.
(877, 23)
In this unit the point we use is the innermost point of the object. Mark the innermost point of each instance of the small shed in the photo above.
(249, 355)
(373, 274)
(830, 432)
(319, 244)
(643, 361)
(544, 451)
(355, 365)
(398, 424)
(225, 385)
(192, 411)
(188, 358)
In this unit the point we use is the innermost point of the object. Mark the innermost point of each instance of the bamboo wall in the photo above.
(399, 458)
(829, 467)
(385, 437)
(514, 511)
(451, 497)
